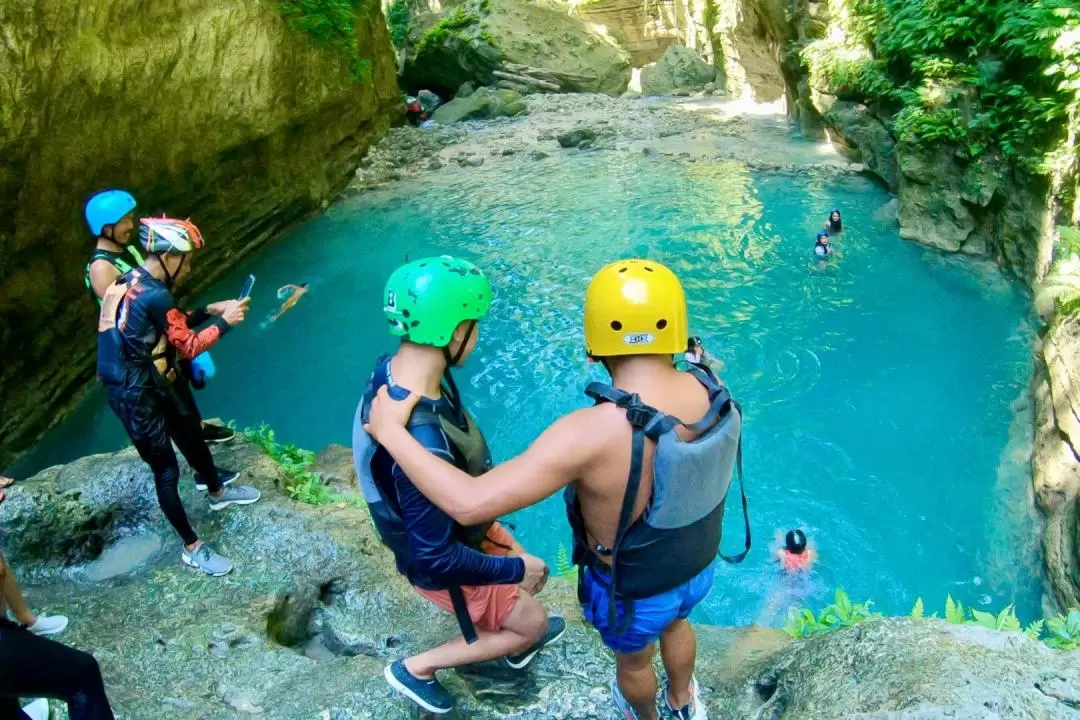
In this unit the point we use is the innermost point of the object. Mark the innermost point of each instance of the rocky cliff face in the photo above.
(315, 608)
(212, 109)
(475, 41)
(1056, 457)
(983, 208)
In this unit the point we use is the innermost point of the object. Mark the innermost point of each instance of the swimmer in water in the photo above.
(822, 248)
(795, 556)
(291, 294)
(835, 224)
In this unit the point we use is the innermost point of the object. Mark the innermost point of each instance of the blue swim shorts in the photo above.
(651, 615)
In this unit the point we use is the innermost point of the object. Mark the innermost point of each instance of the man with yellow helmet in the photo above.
(644, 490)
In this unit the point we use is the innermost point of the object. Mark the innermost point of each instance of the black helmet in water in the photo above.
(795, 541)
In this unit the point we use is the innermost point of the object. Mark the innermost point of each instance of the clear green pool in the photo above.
(883, 390)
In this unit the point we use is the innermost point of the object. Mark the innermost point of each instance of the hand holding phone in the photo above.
(248, 286)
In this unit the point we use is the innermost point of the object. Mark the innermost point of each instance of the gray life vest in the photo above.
(678, 535)
(471, 454)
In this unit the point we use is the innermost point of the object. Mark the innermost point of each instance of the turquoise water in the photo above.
(883, 389)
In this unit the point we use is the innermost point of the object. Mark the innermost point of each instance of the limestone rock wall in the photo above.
(212, 109)
(1056, 390)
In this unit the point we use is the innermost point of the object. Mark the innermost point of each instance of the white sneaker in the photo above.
(49, 625)
(694, 711)
(37, 710)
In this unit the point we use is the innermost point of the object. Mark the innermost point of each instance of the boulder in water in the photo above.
(577, 137)
(428, 100)
(679, 69)
(485, 103)
(465, 90)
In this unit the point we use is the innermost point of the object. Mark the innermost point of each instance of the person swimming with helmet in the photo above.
(822, 247)
(475, 570)
(110, 215)
(646, 526)
(142, 333)
(795, 555)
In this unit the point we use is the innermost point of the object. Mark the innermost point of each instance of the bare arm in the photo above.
(553, 461)
(102, 275)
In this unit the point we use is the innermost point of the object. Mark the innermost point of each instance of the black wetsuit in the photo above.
(33, 667)
(120, 261)
(151, 406)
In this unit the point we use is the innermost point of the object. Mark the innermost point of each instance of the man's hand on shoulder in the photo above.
(388, 414)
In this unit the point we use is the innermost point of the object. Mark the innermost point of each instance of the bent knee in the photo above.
(532, 618)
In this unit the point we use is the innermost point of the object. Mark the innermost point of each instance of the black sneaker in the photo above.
(217, 433)
(428, 694)
(227, 477)
(556, 628)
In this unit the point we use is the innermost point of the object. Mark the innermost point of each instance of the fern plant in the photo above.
(301, 483)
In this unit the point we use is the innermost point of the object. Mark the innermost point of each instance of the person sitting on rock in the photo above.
(835, 224)
(795, 556)
(291, 294)
(141, 331)
(822, 247)
(32, 665)
(477, 571)
(110, 214)
(646, 525)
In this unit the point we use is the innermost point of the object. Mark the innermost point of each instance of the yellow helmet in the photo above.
(635, 307)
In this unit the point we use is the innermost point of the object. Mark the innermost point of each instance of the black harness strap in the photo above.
(651, 423)
(461, 613)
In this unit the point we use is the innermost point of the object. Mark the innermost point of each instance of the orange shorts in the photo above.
(489, 605)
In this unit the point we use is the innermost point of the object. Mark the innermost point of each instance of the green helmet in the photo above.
(425, 300)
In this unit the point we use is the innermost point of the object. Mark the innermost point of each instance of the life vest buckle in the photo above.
(638, 415)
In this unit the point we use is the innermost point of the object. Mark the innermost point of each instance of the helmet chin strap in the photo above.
(452, 361)
(170, 278)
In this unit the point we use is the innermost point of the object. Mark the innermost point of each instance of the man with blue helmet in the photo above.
(110, 214)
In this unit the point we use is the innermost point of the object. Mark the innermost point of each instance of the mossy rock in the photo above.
(485, 103)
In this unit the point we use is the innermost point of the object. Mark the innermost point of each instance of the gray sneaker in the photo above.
(208, 560)
(235, 495)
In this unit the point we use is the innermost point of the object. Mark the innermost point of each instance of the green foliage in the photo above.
(1060, 289)
(399, 18)
(450, 26)
(840, 613)
(564, 566)
(331, 23)
(1063, 631)
(302, 484)
(990, 76)
(918, 610)
(954, 611)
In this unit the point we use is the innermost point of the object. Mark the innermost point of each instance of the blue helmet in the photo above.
(106, 208)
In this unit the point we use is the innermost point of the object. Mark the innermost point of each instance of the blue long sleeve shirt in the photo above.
(437, 558)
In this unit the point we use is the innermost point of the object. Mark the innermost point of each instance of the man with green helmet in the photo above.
(480, 573)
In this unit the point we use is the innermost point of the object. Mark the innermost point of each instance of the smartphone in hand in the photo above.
(248, 286)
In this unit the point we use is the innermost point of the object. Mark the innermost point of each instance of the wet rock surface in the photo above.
(315, 609)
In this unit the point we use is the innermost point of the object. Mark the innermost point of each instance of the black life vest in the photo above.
(471, 455)
(678, 535)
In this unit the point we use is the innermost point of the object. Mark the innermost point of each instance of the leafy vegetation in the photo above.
(998, 76)
(449, 26)
(399, 18)
(1061, 632)
(302, 484)
(564, 566)
(840, 613)
(331, 23)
